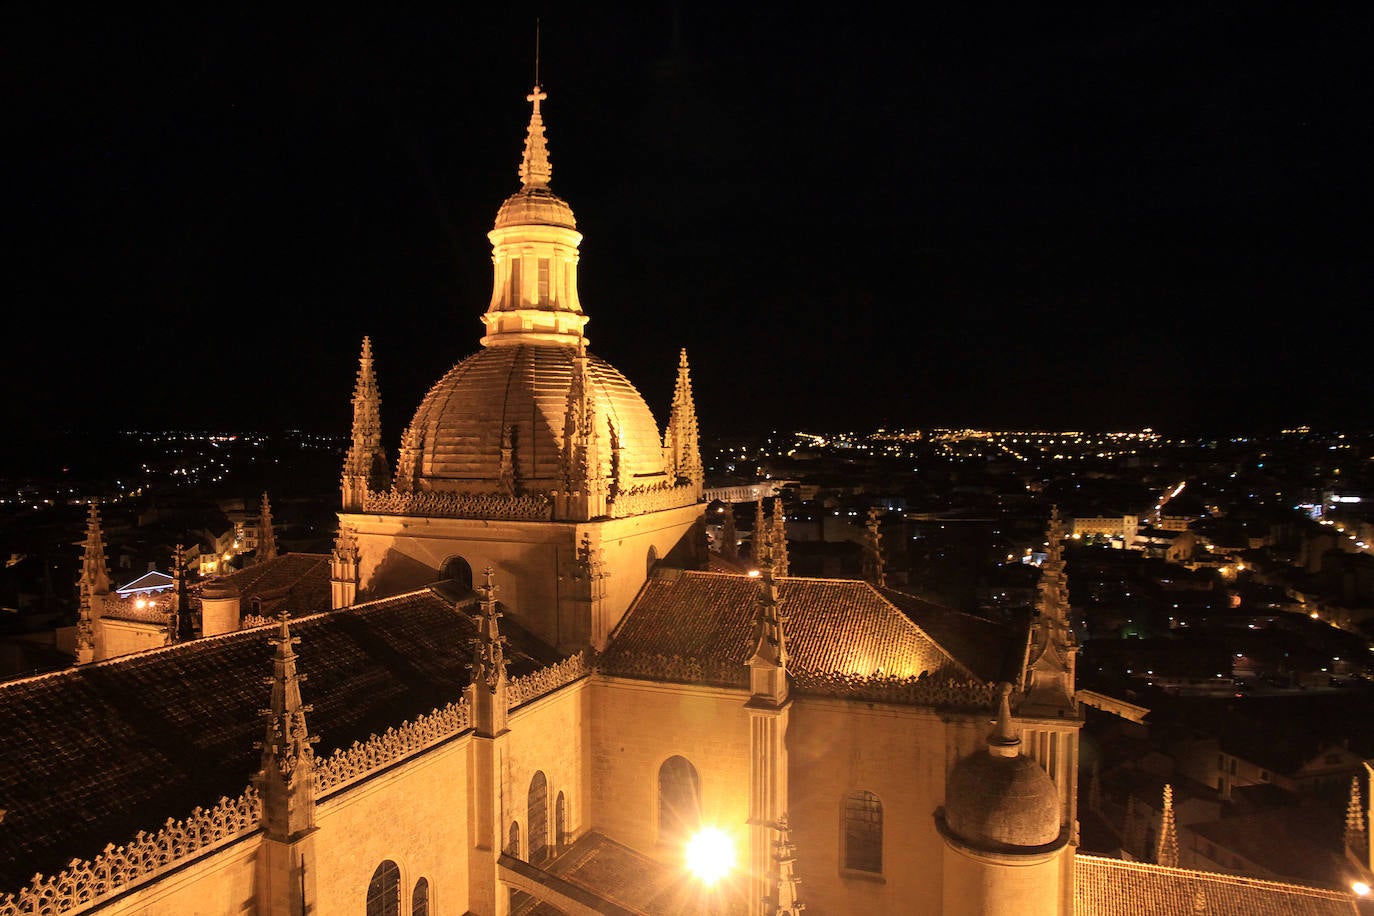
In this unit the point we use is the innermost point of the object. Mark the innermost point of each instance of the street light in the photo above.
(710, 855)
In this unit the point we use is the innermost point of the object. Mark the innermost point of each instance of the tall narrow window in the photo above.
(539, 817)
(863, 832)
(515, 285)
(560, 822)
(513, 844)
(384, 891)
(419, 899)
(543, 281)
(679, 799)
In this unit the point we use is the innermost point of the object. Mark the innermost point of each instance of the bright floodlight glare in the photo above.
(710, 854)
(1360, 888)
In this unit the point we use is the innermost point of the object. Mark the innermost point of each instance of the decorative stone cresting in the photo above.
(347, 765)
(915, 690)
(83, 884)
(521, 690)
(657, 666)
(535, 507)
(641, 500)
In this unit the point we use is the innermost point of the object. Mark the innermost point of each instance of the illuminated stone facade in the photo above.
(529, 690)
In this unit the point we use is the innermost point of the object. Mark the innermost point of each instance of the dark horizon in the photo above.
(1109, 220)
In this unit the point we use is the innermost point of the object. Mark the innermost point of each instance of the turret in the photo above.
(1004, 841)
(534, 255)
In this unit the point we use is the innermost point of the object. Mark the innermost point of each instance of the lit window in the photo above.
(419, 899)
(679, 799)
(863, 832)
(539, 817)
(384, 891)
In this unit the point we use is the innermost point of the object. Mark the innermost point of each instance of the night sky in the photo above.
(1105, 217)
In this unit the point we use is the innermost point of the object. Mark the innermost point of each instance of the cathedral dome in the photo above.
(535, 206)
(1000, 797)
(506, 407)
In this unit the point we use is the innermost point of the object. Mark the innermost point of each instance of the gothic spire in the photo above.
(1166, 849)
(1355, 831)
(184, 623)
(781, 564)
(487, 682)
(95, 575)
(1050, 668)
(761, 541)
(286, 780)
(768, 664)
(681, 445)
(267, 536)
(785, 901)
(1004, 740)
(535, 169)
(729, 537)
(488, 647)
(365, 466)
(93, 585)
(873, 550)
(583, 480)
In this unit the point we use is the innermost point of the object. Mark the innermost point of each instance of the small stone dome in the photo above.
(514, 399)
(995, 801)
(535, 206)
(1000, 797)
(217, 589)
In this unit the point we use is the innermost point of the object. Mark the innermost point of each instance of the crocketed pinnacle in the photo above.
(785, 901)
(488, 647)
(535, 169)
(267, 535)
(287, 778)
(1004, 741)
(681, 445)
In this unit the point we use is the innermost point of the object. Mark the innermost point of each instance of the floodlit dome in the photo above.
(514, 399)
(535, 207)
(1001, 798)
(1001, 801)
(498, 421)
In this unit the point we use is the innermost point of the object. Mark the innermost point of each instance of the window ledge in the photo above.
(861, 875)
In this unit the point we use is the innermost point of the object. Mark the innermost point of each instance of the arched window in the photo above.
(651, 560)
(863, 832)
(539, 817)
(679, 799)
(513, 844)
(419, 899)
(460, 571)
(384, 891)
(560, 822)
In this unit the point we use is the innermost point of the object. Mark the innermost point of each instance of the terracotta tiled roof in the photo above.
(1113, 887)
(112, 748)
(297, 583)
(833, 626)
(991, 650)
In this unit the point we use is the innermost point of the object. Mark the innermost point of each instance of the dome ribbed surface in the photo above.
(535, 207)
(459, 426)
(993, 802)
